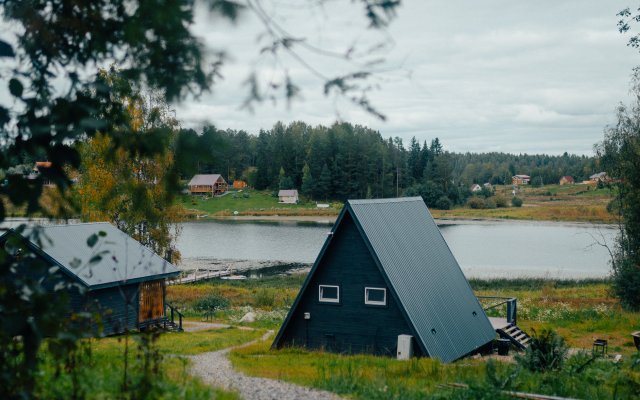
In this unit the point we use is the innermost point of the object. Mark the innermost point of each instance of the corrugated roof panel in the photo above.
(122, 257)
(425, 275)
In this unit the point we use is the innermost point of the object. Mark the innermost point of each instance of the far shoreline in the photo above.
(330, 220)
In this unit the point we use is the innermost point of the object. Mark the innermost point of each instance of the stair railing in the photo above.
(511, 306)
(173, 311)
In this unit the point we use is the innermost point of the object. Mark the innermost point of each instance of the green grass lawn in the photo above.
(99, 371)
(248, 202)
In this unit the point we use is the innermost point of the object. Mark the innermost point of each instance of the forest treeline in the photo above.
(352, 161)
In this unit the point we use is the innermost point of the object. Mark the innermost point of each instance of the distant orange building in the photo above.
(238, 184)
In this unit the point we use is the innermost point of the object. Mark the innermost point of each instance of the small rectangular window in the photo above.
(329, 294)
(375, 296)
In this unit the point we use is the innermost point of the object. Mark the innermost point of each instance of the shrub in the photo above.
(516, 202)
(443, 203)
(489, 203)
(625, 283)
(501, 202)
(546, 352)
(475, 203)
(265, 298)
(211, 303)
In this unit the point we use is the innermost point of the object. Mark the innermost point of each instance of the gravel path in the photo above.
(215, 368)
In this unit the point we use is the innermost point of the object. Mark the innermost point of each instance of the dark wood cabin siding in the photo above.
(117, 306)
(350, 326)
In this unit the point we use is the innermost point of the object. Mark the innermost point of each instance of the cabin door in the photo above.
(151, 301)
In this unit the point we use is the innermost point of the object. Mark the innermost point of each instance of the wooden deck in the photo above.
(498, 323)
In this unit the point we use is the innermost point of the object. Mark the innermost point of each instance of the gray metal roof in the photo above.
(287, 193)
(204, 179)
(424, 274)
(121, 257)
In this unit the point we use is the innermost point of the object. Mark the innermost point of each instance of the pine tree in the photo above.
(308, 183)
(324, 183)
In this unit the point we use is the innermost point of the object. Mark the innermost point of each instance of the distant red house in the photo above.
(213, 184)
(520, 179)
(567, 180)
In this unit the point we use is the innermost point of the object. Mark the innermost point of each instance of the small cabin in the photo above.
(207, 184)
(384, 281)
(520, 179)
(475, 188)
(288, 196)
(567, 180)
(117, 277)
(599, 177)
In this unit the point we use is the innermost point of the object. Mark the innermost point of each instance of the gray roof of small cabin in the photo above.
(424, 274)
(287, 193)
(122, 259)
(204, 180)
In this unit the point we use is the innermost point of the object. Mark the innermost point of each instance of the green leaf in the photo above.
(15, 87)
(92, 240)
(6, 50)
(95, 259)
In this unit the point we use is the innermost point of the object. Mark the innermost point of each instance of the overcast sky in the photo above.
(491, 75)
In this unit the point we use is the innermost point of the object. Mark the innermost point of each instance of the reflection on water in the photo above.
(482, 249)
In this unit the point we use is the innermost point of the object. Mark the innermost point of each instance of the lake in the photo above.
(483, 249)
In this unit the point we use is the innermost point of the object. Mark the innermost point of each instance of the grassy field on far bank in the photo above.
(568, 203)
(251, 202)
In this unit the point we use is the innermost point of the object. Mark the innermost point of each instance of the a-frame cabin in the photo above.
(385, 270)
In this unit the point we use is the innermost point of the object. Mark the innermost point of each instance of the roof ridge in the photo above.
(77, 223)
(387, 200)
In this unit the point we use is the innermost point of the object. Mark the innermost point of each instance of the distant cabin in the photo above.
(386, 275)
(487, 185)
(599, 177)
(520, 179)
(125, 270)
(475, 188)
(567, 180)
(238, 184)
(211, 184)
(288, 196)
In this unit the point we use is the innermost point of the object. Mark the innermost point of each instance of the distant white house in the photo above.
(599, 177)
(475, 188)
(288, 196)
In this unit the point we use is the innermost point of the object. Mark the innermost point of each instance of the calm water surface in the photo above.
(491, 249)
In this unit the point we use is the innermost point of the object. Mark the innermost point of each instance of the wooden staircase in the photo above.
(507, 327)
(518, 337)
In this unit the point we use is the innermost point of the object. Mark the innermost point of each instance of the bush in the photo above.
(501, 202)
(546, 352)
(489, 203)
(475, 203)
(211, 303)
(443, 203)
(265, 298)
(516, 202)
(625, 283)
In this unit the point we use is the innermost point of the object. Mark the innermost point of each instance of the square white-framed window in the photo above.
(375, 296)
(329, 294)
